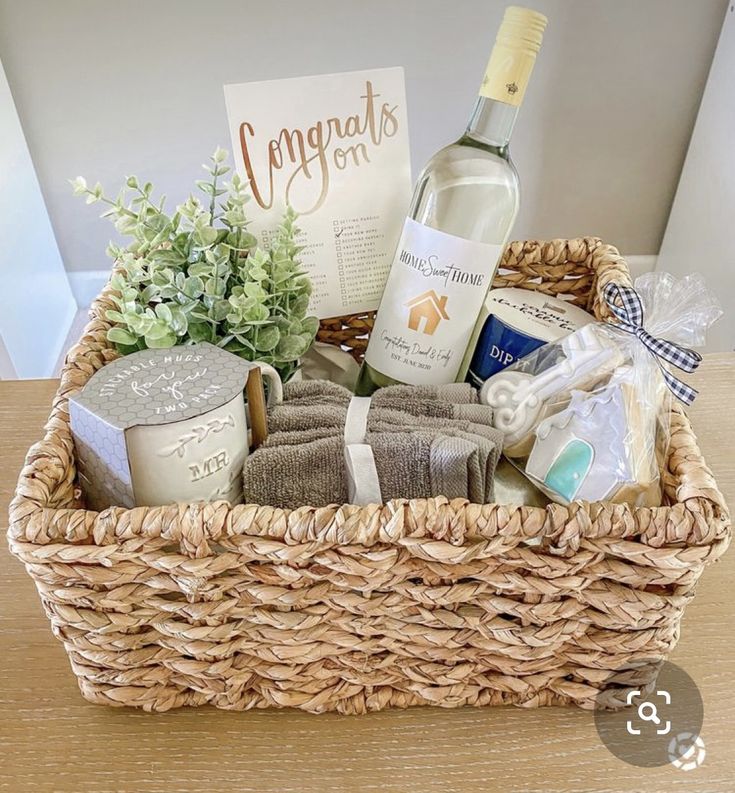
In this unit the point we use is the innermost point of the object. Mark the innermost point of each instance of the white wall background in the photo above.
(699, 233)
(36, 303)
(106, 88)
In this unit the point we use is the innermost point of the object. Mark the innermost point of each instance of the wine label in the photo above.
(433, 295)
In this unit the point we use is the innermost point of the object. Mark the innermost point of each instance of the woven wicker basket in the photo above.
(353, 609)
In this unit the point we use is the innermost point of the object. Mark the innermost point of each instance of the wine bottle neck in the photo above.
(491, 122)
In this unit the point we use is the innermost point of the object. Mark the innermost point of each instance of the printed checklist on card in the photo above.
(335, 148)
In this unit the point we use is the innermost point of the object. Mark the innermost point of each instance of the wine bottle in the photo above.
(461, 214)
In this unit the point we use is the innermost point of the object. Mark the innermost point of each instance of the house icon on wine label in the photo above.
(428, 308)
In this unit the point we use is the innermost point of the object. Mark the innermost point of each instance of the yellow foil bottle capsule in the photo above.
(513, 56)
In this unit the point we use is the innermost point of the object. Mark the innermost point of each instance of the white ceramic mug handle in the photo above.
(275, 392)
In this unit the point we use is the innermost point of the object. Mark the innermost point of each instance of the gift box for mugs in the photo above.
(358, 608)
(164, 425)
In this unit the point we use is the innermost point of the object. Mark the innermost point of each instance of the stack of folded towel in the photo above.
(425, 440)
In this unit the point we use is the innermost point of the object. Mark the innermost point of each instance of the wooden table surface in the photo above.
(51, 740)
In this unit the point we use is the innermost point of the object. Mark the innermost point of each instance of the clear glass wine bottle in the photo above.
(461, 215)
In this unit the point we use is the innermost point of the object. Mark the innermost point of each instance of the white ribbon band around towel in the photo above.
(362, 475)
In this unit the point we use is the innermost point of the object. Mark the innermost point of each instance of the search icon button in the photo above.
(647, 711)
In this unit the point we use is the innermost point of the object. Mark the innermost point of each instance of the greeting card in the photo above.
(334, 147)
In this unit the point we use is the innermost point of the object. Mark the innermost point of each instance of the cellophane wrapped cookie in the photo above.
(587, 417)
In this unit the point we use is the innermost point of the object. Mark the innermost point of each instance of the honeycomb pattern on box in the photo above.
(102, 460)
(163, 386)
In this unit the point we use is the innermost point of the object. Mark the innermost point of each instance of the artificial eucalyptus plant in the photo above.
(199, 275)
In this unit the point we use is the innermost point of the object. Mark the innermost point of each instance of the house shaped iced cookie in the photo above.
(598, 448)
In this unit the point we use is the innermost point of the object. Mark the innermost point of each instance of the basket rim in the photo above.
(43, 510)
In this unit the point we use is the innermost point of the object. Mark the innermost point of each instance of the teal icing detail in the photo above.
(568, 471)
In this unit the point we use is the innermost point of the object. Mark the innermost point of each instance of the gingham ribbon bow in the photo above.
(630, 314)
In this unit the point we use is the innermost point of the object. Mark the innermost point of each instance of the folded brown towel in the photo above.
(426, 441)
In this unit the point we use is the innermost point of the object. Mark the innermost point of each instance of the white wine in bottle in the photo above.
(461, 214)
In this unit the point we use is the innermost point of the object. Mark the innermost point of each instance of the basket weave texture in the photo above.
(354, 609)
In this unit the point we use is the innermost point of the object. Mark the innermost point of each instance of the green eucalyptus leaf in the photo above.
(158, 330)
(160, 278)
(200, 269)
(117, 281)
(149, 293)
(114, 316)
(310, 326)
(267, 339)
(193, 286)
(138, 323)
(165, 341)
(256, 313)
(187, 306)
(255, 291)
(169, 292)
(246, 343)
(215, 287)
(300, 305)
(127, 349)
(258, 258)
(204, 186)
(167, 256)
(291, 348)
(258, 274)
(164, 313)
(179, 322)
(205, 236)
(199, 331)
(220, 310)
(234, 346)
(121, 336)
